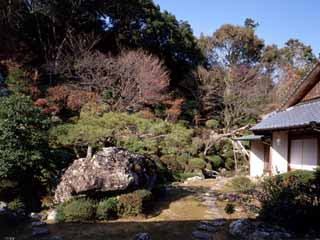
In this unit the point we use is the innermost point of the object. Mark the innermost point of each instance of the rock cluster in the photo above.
(256, 230)
(109, 170)
(206, 229)
(39, 228)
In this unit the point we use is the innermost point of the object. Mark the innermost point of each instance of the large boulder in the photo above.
(109, 170)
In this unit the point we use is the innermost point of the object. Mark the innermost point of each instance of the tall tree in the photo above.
(236, 45)
(290, 64)
(23, 138)
(237, 76)
(45, 26)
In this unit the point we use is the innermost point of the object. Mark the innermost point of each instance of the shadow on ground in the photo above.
(162, 230)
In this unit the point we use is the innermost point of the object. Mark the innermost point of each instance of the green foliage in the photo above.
(229, 208)
(190, 108)
(171, 163)
(237, 44)
(17, 82)
(212, 124)
(216, 161)
(197, 145)
(291, 201)
(156, 138)
(76, 210)
(229, 163)
(107, 209)
(144, 194)
(132, 204)
(130, 24)
(303, 175)
(16, 204)
(197, 163)
(23, 137)
(241, 184)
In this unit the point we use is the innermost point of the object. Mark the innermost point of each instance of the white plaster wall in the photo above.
(279, 152)
(256, 159)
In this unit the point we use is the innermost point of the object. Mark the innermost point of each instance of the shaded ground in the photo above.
(175, 215)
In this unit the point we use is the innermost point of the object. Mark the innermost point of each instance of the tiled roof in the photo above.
(297, 116)
(249, 138)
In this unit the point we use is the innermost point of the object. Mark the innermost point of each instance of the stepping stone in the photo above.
(215, 223)
(209, 198)
(200, 235)
(50, 238)
(56, 238)
(142, 236)
(35, 216)
(39, 231)
(207, 228)
(38, 224)
(210, 202)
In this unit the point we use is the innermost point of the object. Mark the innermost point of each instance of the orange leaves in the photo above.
(65, 97)
(78, 98)
(174, 109)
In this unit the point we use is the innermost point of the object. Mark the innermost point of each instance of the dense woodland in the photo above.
(78, 75)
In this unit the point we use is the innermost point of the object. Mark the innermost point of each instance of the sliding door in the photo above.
(304, 153)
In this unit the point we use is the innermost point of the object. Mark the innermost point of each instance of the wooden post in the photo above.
(89, 152)
(235, 157)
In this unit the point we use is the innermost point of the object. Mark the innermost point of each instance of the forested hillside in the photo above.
(80, 75)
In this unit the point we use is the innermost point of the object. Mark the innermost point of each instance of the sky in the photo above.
(279, 20)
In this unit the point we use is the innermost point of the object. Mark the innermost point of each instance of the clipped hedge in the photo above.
(212, 124)
(77, 210)
(303, 175)
(107, 209)
(291, 201)
(216, 161)
(241, 184)
(132, 204)
(197, 163)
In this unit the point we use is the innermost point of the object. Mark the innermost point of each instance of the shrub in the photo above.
(171, 163)
(197, 163)
(229, 163)
(132, 204)
(216, 161)
(77, 210)
(291, 202)
(303, 175)
(107, 209)
(184, 158)
(197, 145)
(144, 194)
(212, 124)
(151, 137)
(241, 184)
(229, 208)
(209, 166)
